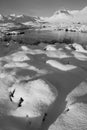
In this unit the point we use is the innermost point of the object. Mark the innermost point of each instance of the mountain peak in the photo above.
(60, 16)
(66, 12)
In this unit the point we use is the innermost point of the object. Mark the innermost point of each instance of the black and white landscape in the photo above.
(43, 71)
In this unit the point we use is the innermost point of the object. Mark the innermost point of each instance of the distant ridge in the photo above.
(17, 18)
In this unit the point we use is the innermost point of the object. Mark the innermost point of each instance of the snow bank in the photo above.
(37, 96)
(75, 95)
(74, 117)
(60, 66)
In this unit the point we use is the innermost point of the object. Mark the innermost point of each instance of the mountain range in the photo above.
(65, 16)
(18, 18)
(68, 16)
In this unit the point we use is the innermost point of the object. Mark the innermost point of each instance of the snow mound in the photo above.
(60, 66)
(79, 48)
(19, 56)
(79, 56)
(57, 54)
(33, 51)
(50, 48)
(37, 96)
(24, 48)
(67, 47)
(27, 50)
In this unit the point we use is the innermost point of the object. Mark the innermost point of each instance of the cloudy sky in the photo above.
(39, 7)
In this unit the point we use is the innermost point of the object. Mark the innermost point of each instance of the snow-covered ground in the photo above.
(74, 116)
(37, 96)
(44, 88)
(36, 83)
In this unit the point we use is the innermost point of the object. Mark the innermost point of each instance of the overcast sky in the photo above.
(39, 7)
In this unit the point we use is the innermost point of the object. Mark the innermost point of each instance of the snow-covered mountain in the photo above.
(60, 16)
(18, 18)
(67, 16)
(15, 22)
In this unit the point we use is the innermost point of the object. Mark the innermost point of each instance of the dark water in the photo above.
(47, 37)
(60, 36)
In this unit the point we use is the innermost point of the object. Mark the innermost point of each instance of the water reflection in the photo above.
(57, 35)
